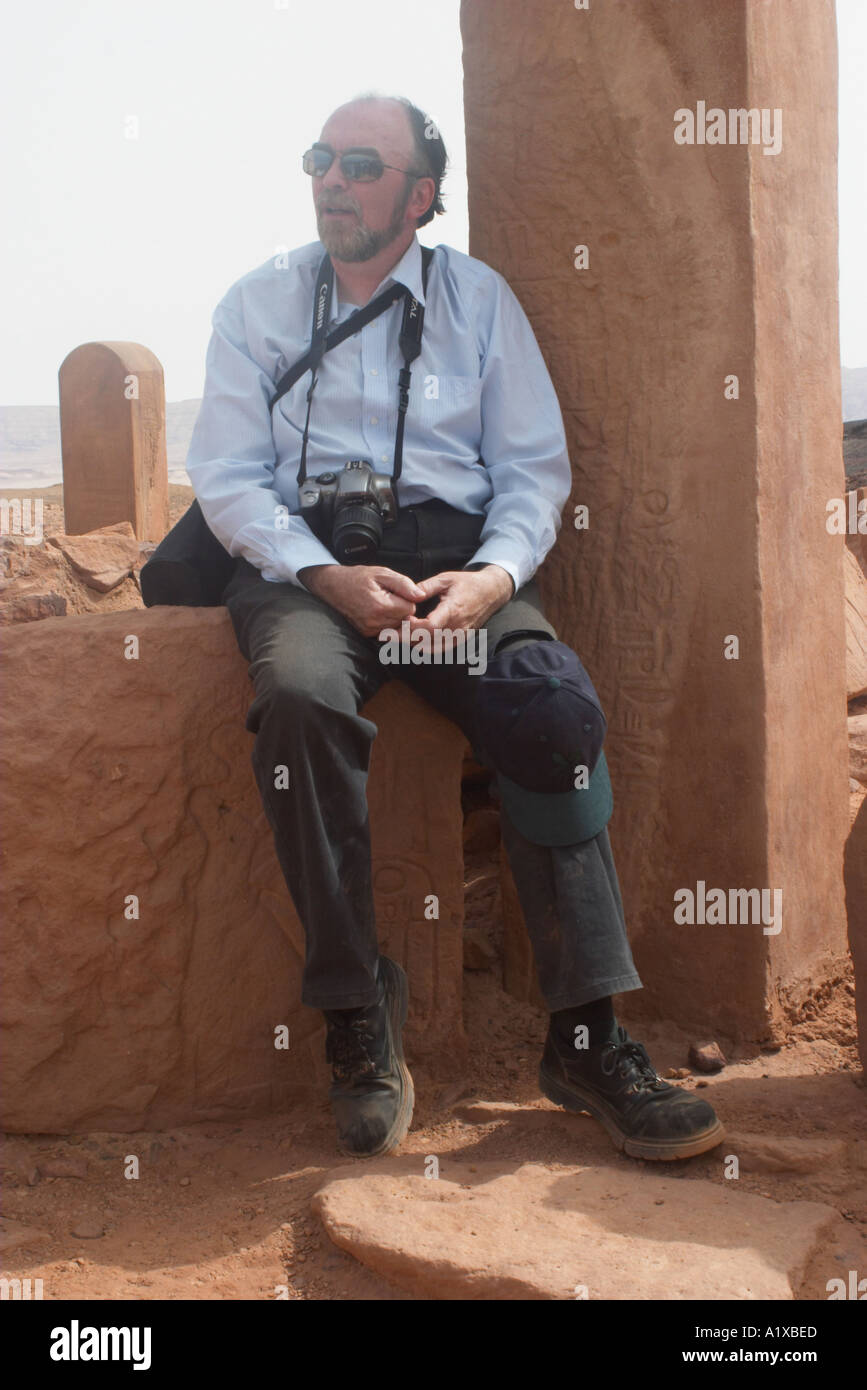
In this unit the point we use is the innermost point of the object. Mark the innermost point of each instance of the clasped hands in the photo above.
(374, 597)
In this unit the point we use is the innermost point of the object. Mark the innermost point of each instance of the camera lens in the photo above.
(357, 534)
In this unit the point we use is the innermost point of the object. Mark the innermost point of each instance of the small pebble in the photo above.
(706, 1056)
(87, 1230)
(185, 1182)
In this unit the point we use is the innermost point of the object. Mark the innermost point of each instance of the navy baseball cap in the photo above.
(539, 721)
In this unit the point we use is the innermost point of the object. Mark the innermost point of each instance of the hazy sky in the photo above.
(137, 239)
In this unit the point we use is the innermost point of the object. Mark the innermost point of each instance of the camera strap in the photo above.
(412, 326)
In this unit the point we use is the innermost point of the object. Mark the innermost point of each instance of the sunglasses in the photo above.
(359, 166)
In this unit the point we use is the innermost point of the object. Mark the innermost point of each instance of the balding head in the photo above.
(380, 122)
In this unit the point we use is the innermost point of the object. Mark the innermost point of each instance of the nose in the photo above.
(334, 178)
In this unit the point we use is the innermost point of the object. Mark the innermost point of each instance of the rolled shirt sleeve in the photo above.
(232, 458)
(523, 444)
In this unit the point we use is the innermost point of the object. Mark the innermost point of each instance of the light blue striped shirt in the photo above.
(484, 431)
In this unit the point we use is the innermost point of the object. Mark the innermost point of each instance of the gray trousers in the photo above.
(312, 671)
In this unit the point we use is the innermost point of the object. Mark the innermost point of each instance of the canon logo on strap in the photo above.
(320, 303)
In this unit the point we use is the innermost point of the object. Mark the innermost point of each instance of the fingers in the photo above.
(399, 584)
(437, 617)
(437, 583)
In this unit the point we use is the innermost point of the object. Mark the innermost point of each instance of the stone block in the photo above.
(131, 778)
(113, 439)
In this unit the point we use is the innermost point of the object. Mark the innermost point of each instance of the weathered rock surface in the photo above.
(103, 557)
(479, 954)
(483, 1232)
(706, 513)
(481, 831)
(857, 724)
(706, 1056)
(31, 581)
(129, 781)
(760, 1153)
(856, 627)
(113, 435)
(27, 601)
(855, 876)
(41, 581)
(856, 539)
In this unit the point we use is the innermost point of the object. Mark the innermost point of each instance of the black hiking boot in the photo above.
(616, 1082)
(372, 1093)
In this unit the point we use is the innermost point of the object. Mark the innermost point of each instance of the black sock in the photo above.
(597, 1017)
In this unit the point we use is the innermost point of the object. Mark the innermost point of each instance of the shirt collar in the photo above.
(406, 272)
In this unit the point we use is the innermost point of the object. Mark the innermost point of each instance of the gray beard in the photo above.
(357, 242)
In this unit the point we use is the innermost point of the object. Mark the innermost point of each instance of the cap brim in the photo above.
(560, 818)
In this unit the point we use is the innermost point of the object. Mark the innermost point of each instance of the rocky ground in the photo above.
(68, 576)
(528, 1201)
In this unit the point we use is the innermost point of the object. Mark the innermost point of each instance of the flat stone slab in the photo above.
(534, 1232)
(767, 1153)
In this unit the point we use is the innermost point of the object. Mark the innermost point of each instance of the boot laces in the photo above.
(631, 1060)
(347, 1046)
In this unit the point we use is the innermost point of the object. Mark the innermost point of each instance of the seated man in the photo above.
(328, 558)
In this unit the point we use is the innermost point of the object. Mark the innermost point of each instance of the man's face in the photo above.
(372, 215)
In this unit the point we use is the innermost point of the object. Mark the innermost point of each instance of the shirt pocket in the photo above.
(449, 404)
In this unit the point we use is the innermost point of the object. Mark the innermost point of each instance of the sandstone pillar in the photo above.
(113, 438)
(707, 497)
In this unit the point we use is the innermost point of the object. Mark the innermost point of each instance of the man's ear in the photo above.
(423, 196)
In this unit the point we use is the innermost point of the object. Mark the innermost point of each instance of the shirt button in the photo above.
(374, 372)
(374, 419)
(385, 458)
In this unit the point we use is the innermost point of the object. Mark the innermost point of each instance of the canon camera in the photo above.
(348, 510)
